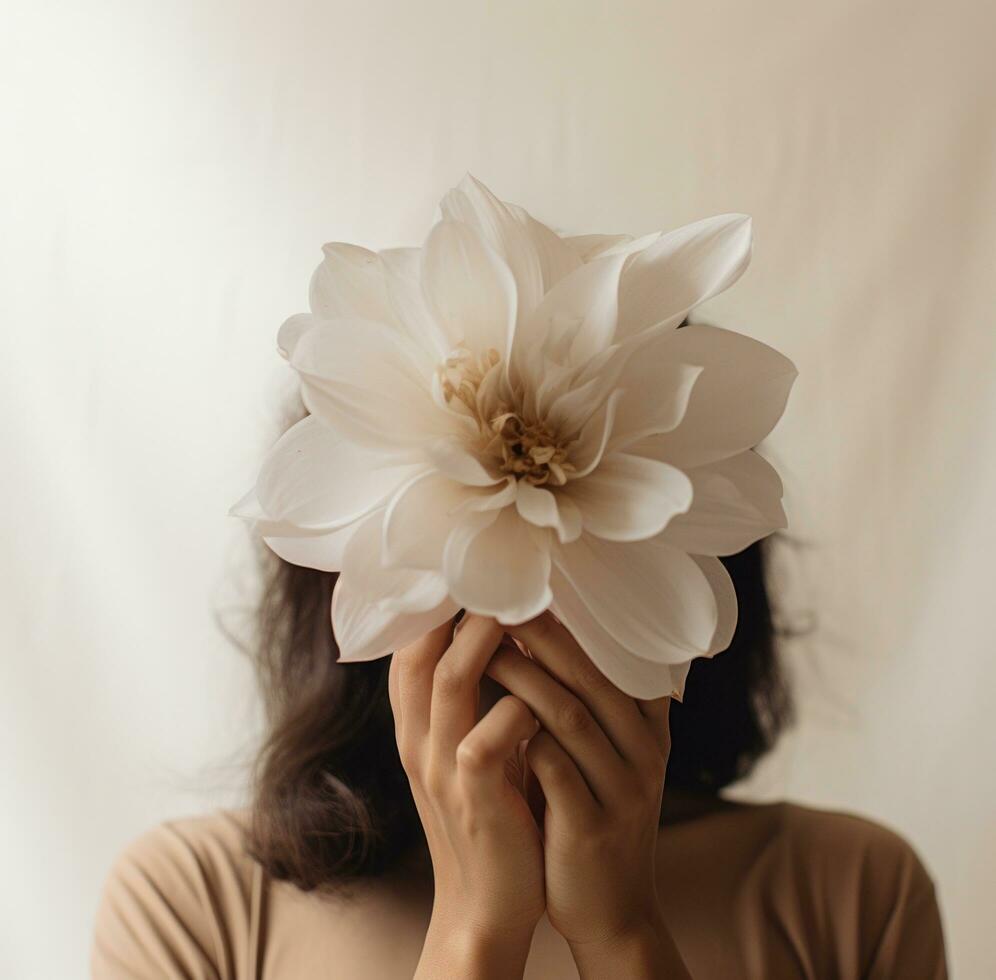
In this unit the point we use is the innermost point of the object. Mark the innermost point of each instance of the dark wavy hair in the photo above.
(330, 801)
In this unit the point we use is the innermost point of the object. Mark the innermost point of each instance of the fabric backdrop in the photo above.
(169, 173)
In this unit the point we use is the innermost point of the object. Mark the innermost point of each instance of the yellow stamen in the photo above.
(527, 450)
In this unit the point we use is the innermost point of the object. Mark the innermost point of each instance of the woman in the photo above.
(487, 805)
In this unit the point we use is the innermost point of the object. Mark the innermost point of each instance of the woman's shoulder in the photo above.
(865, 879)
(216, 837)
(184, 890)
(188, 858)
(839, 841)
(819, 825)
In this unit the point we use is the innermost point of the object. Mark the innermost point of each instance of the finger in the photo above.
(456, 682)
(482, 755)
(565, 717)
(410, 681)
(549, 642)
(656, 713)
(564, 788)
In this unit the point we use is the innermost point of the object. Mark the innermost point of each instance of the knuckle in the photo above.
(555, 767)
(583, 834)
(471, 755)
(502, 660)
(477, 630)
(536, 759)
(448, 679)
(590, 677)
(541, 627)
(573, 718)
(517, 708)
(560, 772)
(415, 657)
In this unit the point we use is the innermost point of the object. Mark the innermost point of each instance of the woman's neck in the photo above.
(682, 805)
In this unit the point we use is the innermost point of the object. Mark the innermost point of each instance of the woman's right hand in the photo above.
(466, 778)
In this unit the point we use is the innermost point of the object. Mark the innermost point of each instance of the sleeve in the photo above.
(154, 919)
(911, 942)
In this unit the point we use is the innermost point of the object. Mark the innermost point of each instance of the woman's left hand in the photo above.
(600, 759)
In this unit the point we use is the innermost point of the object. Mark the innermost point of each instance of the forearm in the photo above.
(647, 953)
(472, 954)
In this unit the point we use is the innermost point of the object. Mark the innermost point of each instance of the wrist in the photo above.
(644, 950)
(458, 946)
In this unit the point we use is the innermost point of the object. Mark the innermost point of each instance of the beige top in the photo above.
(775, 892)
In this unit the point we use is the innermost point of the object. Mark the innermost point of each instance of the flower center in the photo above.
(530, 452)
(523, 448)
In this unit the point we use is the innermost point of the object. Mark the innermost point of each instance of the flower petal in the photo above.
(454, 457)
(403, 277)
(472, 203)
(557, 259)
(735, 403)
(310, 547)
(323, 552)
(635, 676)
(489, 498)
(589, 247)
(365, 630)
(544, 508)
(587, 451)
(350, 283)
(623, 499)
(572, 405)
(423, 512)
(357, 351)
(362, 380)
(314, 478)
(726, 601)
(363, 565)
(654, 599)
(588, 299)
(630, 246)
(544, 380)
(292, 330)
(657, 389)
(736, 502)
(306, 546)
(499, 565)
(682, 269)
(571, 410)
(469, 288)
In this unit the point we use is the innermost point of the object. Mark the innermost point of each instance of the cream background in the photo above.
(169, 174)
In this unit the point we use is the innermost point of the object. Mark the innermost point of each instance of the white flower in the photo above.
(508, 421)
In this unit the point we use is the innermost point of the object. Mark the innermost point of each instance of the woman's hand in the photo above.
(466, 777)
(600, 759)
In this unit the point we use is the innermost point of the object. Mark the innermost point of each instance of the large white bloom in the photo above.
(507, 421)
